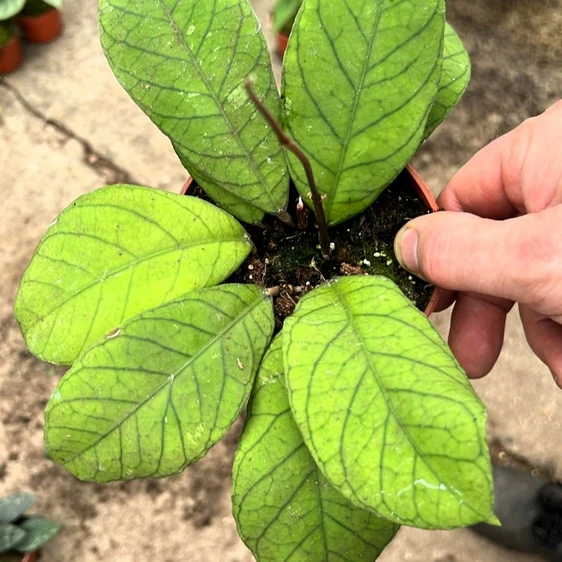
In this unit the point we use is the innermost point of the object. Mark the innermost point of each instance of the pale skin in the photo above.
(498, 243)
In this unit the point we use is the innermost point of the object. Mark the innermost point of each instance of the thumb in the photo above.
(519, 259)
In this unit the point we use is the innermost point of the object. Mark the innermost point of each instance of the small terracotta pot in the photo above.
(282, 41)
(44, 28)
(10, 56)
(424, 194)
(427, 197)
(31, 556)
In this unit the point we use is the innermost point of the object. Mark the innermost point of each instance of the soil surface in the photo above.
(291, 260)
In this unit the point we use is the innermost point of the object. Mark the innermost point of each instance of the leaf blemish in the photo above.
(113, 333)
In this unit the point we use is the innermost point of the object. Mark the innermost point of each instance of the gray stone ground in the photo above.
(66, 127)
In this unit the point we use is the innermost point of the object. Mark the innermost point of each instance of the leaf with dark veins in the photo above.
(285, 508)
(116, 252)
(455, 77)
(383, 406)
(184, 64)
(359, 79)
(228, 201)
(157, 394)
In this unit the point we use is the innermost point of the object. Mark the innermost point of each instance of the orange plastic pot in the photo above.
(43, 28)
(427, 197)
(10, 56)
(420, 187)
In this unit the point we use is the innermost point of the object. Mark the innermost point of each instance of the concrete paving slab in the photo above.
(42, 171)
(69, 81)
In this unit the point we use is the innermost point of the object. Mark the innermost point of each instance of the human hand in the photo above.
(504, 248)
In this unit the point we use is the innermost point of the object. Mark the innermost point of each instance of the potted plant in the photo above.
(40, 20)
(21, 533)
(10, 45)
(360, 418)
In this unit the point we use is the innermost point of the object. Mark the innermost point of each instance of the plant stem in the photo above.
(287, 143)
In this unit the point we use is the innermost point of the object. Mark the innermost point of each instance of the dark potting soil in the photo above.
(290, 258)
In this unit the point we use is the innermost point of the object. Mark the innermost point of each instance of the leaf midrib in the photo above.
(359, 90)
(317, 483)
(260, 298)
(134, 263)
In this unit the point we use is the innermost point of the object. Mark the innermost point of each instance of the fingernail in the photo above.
(406, 249)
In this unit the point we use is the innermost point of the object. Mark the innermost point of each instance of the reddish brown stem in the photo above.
(288, 144)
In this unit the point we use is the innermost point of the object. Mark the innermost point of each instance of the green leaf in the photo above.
(10, 8)
(284, 13)
(285, 508)
(385, 409)
(12, 507)
(38, 531)
(229, 202)
(358, 81)
(184, 64)
(455, 77)
(157, 394)
(9, 536)
(116, 252)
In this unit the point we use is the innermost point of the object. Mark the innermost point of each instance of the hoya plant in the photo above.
(20, 532)
(360, 419)
(10, 9)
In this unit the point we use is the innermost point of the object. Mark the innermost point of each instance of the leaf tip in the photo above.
(493, 520)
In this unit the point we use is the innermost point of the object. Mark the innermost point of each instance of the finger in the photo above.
(477, 332)
(545, 339)
(482, 185)
(500, 181)
(518, 259)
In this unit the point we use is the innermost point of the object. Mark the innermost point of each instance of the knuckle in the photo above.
(537, 259)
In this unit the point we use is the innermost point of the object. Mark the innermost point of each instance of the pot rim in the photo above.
(427, 197)
(41, 28)
(31, 556)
